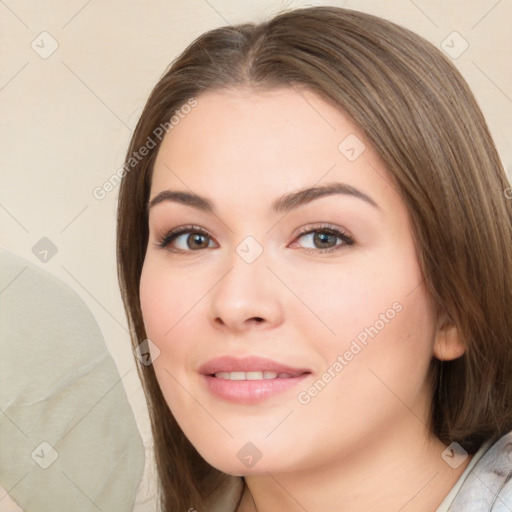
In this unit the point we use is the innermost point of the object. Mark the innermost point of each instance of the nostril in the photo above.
(254, 319)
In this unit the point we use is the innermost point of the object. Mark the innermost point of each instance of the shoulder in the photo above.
(488, 486)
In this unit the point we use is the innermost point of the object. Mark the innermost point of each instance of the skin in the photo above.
(363, 440)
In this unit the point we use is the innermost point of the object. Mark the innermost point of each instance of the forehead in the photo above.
(241, 145)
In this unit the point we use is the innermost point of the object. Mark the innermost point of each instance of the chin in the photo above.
(241, 458)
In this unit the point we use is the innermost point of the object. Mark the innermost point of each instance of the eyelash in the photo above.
(171, 235)
(346, 240)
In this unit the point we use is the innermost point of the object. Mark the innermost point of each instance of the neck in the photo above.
(400, 472)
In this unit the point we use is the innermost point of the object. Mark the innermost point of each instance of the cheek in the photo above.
(365, 291)
(164, 304)
(374, 372)
(174, 310)
(379, 317)
(165, 298)
(384, 328)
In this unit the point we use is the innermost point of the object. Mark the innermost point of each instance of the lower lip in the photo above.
(250, 391)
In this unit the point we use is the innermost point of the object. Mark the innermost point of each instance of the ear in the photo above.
(448, 344)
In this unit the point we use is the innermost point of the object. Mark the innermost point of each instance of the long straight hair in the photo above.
(423, 121)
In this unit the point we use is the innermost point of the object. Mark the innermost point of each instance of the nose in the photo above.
(247, 297)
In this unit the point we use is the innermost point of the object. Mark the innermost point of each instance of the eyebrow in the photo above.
(283, 204)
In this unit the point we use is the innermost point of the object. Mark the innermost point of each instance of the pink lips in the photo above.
(250, 391)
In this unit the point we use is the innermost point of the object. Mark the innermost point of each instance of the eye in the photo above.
(323, 239)
(186, 239)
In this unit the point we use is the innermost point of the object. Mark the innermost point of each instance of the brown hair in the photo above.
(422, 119)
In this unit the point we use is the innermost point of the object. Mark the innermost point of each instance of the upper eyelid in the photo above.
(180, 231)
(305, 230)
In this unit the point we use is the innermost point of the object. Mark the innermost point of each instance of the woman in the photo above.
(313, 245)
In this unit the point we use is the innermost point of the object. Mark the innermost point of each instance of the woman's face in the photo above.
(291, 274)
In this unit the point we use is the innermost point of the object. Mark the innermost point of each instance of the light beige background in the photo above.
(66, 119)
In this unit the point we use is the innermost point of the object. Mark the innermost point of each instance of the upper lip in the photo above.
(248, 364)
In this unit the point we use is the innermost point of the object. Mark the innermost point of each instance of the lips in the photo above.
(249, 380)
(249, 365)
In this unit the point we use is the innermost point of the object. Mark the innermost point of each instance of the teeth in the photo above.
(255, 376)
(252, 375)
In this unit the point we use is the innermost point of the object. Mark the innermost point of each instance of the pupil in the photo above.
(325, 239)
(198, 240)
